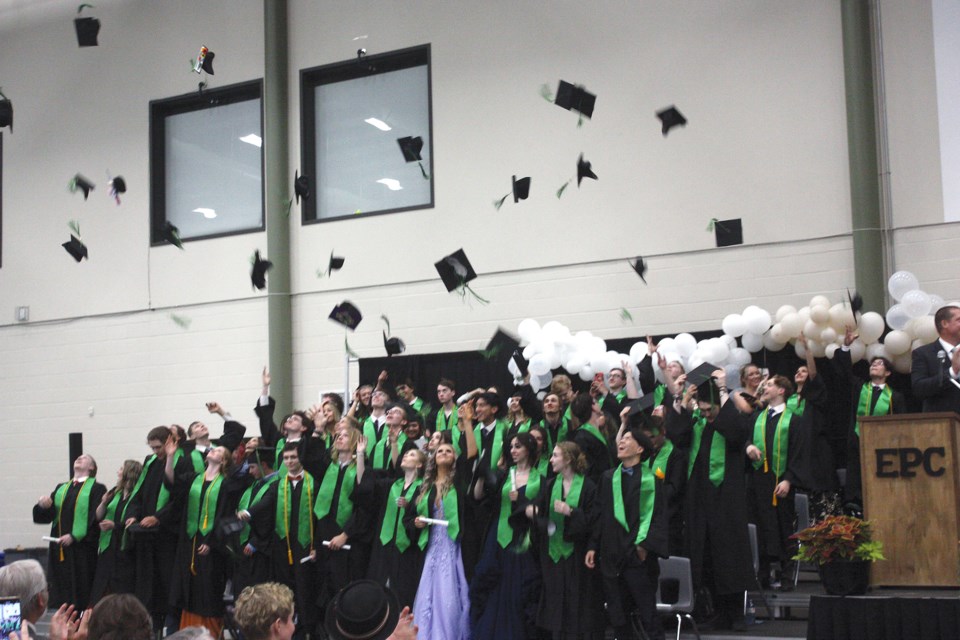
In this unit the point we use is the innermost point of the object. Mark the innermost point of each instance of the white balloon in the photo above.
(596, 345)
(776, 333)
(739, 357)
(903, 363)
(535, 383)
(600, 364)
(871, 327)
(812, 330)
(817, 348)
(841, 317)
(552, 330)
(828, 335)
(514, 369)
(528, 330)
(734, 325)
(671, 356)
(694, 361)
(804, 314)
(819, 301)
(820, 314)
(732, 372)
(916, 344)
(876, 350)
(784, 311)
(897, 342)
(758, 321)
(792, 325)
(900, 283)
(529, 351)
(720, 351)
(771, 343)
(686, 344)
(539, 364)
(830, 350)
(897, 317)
(638, 352)
(586, 373)
(752, 342)
(799, 349)
(926, 329)
(916, 303)
(730, 341)
(667, 345)
(857, 350)
(555, 359)
(935, 302)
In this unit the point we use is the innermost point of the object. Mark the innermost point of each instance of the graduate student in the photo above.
(115, 560)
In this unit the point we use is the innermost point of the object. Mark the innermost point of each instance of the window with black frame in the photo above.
(206, 163)
(367, 143)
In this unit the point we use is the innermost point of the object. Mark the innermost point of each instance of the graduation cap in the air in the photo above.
(639, 407)
(575, 98)
(411, 147)
(393, 345)
(79, 183)
(503, 346)
(728, 232)
(204, 61)
(335, 263)
(346, 314)
(87, 28)
(117, 186)
(301, 186)
(171, 234)
(583, 171)
(258, 274)
(670, 118)
(640, 266)
(76, 248)
(856, 302)
(456, 272)
(520, 189)
(6, 112)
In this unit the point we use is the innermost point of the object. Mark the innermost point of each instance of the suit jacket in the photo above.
(930, 378)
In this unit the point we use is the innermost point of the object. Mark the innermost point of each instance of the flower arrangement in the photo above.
(838, 538)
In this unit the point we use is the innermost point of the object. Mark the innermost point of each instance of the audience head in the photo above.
(947, 320)
(24, 580)
(616, 379)
(363, 610)
(265, 612)
(120, 616)
(750, 376)
(192, 633)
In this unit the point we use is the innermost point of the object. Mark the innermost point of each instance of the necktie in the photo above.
(628, 471)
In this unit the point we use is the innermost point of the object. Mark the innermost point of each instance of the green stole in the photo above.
(496, 448)
(504, 530)
(325, 496)
(389, 529)
(370, 432)
(781, 439)
(197, 460)
(525, 426)
(561, 432)
(718, 450)
(417, 404)
(620, 395)
(558, 548)
(304, 517)
(441, 421)
(199, 516)
(81, 508)
(592, 430)
(647, 495)
(381, 452)
(659, 464)
(248, 499)
(796, 404)
(278, 450)
(883, 407)
(451, 512)
(107, 535)
(658, 393)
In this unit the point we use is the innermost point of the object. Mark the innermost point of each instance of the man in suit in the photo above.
(935, 374)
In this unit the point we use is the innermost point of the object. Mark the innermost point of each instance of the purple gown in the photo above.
(442, 607)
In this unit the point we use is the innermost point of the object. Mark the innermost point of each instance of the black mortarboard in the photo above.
(576, 98)
(728, 232)
(455, 270)
(640, 405)
(230, 525)
(76, 248)
(87, 29)
(80, 183)
(521, 189)
(346, 314)
(118, 184)
(394, 345)
(265, 455)
(258, 275)
(6, 112)
(584, 170)
(856, 301)
(204, 61)
(701, 374)
(411, 148)
(640, 266)
(502, 346)
(172, 235)
(301, 186)
(670, 118)
(335, 264)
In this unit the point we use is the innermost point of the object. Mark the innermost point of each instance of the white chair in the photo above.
(802, 505)
(678, 568)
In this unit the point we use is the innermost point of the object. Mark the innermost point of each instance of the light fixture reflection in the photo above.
(209, 214)
(390, 183)
(379, 124)
(254, 139)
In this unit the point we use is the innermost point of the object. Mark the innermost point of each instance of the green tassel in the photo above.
(386, 320)
(562, 189)
(625, 315)
(545, 92)
(712, 224)
(182, 321)
(350, 352)
(499, 203)
(75, 227)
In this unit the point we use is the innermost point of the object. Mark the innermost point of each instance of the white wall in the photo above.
(761, 84)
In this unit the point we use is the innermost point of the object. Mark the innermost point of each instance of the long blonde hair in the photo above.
(431, 476)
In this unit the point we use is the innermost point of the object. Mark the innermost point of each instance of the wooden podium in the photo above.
(911, 488)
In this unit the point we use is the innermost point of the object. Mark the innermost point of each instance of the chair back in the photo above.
(754, 549)
(802, 504)
(677, 568)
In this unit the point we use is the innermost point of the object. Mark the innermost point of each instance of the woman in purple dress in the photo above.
(442, 606)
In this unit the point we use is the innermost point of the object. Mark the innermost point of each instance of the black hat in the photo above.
(640, 266)
(584, 170)
(172, 235)
(118, 184)
(76, 248)
(346, 314)
(265, 455)
(6, 112)
(335, 264)
(82, 184)
(639, 406)
(503, 345)
(258, 275)
(362, 610)
(728, 232)
(455, 270)
(520, 188)
(703, 373)
(394, 345)
(204, 61)
(231, 525)
(670, 118)
(87, 29)
(576, 98)
(856, 302)
(301, 186)
(411, 148)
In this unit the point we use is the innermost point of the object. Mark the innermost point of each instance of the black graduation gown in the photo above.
(116, 565)
(198, 581)
(155, 548)
(717, 538)
(674, 486)
(571, 597)
(71, 578)
(387, 563)
(597, 453)
(817, 471)
(257, 567)
(312, 451)
(477, 514)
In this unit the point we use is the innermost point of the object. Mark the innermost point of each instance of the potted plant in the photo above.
(842, 548)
